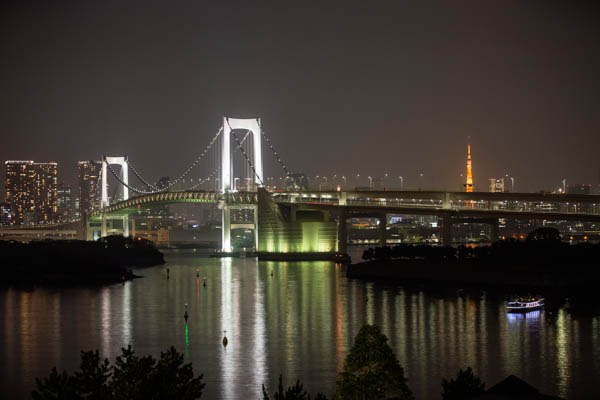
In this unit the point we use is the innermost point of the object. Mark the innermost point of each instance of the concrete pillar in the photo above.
(494, 230)
(126, 226)
(103, 232)
(447, 230)
(226, 230)
(255, 212)
(82, 227)
(382, 230)
(343, 232)
(446, 203)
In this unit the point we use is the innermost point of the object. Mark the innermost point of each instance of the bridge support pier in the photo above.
(447, 230)
(226, 229)
(494, 230)
(126, 225)
(103, 232)
(343, 233)
(255, 212)
(382, 230)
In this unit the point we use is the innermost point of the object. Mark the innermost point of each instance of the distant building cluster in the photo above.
(31, 192)
(579, 188)
(89, 174)
(33, 195)
(497, 185)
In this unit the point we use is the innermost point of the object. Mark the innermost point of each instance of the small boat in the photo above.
(524, 305)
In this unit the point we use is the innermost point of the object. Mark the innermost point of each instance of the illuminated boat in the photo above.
(524, 305)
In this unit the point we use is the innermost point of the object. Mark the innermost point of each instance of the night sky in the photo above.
(344, 87)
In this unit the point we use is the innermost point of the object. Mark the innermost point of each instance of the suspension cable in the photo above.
(173, 183)
(287, 172)
(150, 186)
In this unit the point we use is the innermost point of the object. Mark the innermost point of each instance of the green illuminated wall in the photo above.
(281, 232)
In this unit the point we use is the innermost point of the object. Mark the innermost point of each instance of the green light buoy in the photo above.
(225, 341)
(185, 314)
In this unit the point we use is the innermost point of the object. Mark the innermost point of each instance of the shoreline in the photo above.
(471, 274)
(69, 263)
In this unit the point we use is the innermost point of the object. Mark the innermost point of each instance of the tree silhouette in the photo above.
(467, 385)
(295, 392)
(131, 377)
(371, 370)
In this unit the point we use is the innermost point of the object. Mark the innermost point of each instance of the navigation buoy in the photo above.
(225, 341)
(123, 277)
(271, 273)
(167, 273)
(204, 282)
(197, 273)
(185, 314)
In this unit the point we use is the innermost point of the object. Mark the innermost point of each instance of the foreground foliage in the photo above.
(131, 377)
(466, 386)
(371, 370)
(295, 392)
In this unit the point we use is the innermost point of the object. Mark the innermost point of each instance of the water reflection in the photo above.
(297, 319)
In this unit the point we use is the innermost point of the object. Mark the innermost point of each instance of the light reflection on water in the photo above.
(297, 319)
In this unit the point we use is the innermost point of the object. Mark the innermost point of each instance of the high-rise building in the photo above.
(65, 205)
(297, 181)
(31, 191)
(579, 188)
(88, 178)
(163, 183)
(469, 184)
(76, 213)
(496, 185)
(5, 214)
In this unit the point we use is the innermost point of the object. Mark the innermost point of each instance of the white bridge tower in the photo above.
(104, 201)
(227, 179)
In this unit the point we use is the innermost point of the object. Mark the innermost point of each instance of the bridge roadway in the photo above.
(506, 205)
(452, 207)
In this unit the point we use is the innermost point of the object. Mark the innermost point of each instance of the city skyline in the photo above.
(401, 99)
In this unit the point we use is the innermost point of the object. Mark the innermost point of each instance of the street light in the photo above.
(370, 183)
(401, 181)
(564, 182)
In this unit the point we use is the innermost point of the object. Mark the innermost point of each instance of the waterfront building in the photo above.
(297, 181)
(64, 202)
(5, 215)
(76, 213)
(469, 183)
(579, 188)
(163, 183)
(496, 185)
(88, 178)
(30, 189)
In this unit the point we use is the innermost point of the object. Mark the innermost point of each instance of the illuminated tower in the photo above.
(469, 184)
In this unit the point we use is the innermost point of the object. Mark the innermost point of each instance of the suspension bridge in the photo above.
(229, 172)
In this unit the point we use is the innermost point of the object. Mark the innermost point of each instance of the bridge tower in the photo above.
(227, 178)
(104, 201)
